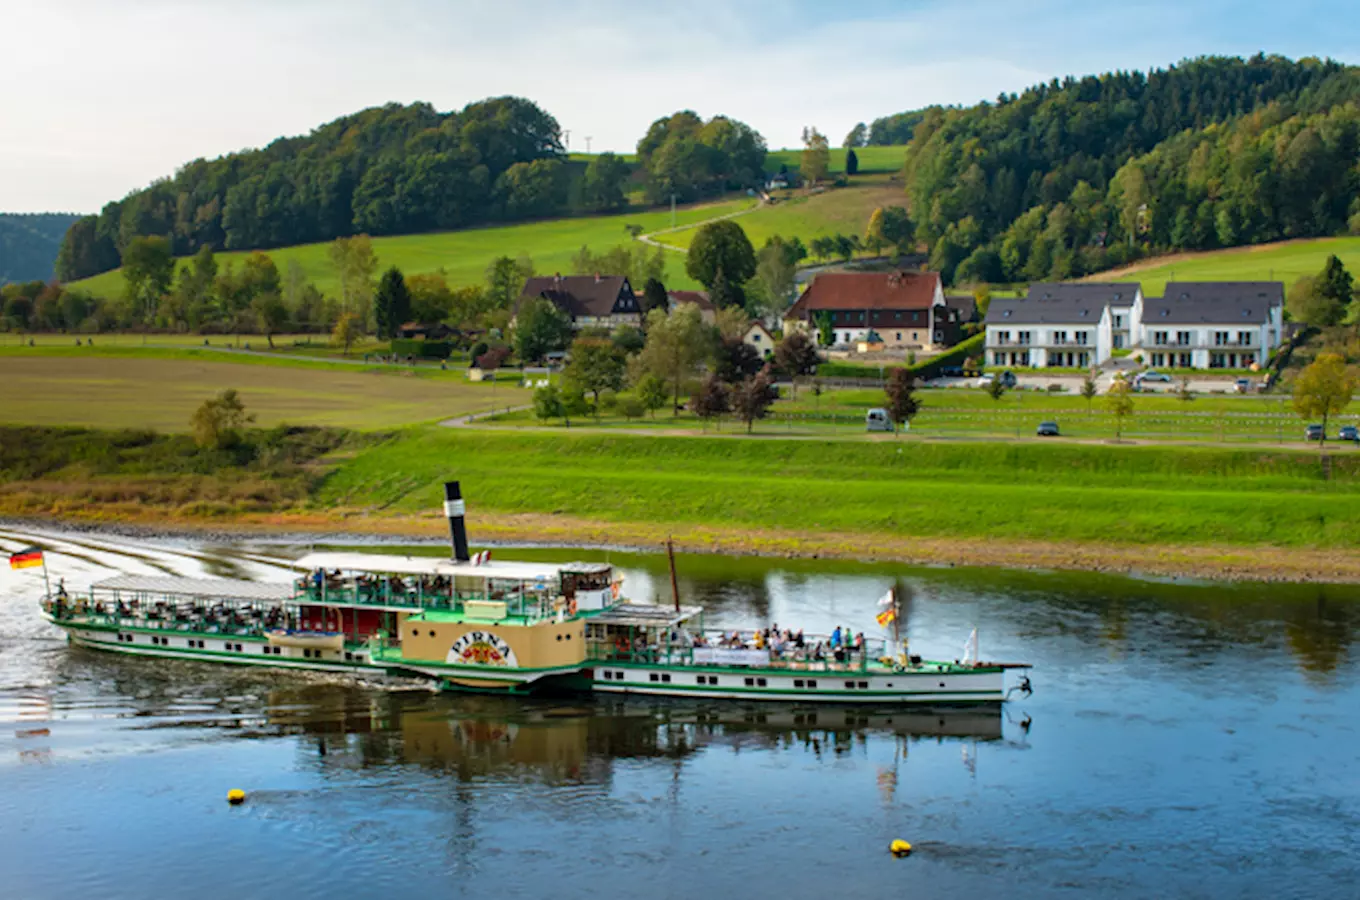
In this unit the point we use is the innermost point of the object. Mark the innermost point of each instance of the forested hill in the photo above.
(1075, 176)
(28, 244)
(388, 170)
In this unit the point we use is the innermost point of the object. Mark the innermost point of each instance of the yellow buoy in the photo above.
(236, 796)
(900, 847)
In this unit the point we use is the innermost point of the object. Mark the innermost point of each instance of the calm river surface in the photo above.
(1183, 740)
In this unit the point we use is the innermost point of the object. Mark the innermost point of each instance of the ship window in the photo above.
(941, 684)
(863, 685)
(812, 682)
(238, 648)
(307, 654)
(431, 632)
(267, 650)
(850, 685)
(349, 657)
(666, 678)
(760, 682)
(568, 637)
(701, 679)
(653, 677)
(750, 682)
(608, 676)
(797, 682)
(618, 676)
(559, 638)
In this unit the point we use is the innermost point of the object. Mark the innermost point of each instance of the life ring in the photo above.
(571, 607)
(614, 589)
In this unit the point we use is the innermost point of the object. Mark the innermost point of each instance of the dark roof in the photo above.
(965, 304)
(867, 290)
(1052, 304)
(1214, 303)
(1115, 293)
(698, 298)
(582, 295)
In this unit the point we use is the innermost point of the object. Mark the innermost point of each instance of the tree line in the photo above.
(1079, 175)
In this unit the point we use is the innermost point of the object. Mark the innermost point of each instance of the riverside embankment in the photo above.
(1183, 511)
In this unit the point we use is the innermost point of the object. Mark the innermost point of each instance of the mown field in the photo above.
(464, 255)
(1139, 495)
(1285, 261)
(837, 210)
(160, 389)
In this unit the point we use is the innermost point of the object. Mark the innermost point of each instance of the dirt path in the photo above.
(648, 238)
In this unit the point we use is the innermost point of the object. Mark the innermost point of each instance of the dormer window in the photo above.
(1006, 314)
(1165, 313)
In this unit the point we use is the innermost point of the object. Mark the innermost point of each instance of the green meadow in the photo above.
(1285, 261)
(463, 255)
(1126, 495)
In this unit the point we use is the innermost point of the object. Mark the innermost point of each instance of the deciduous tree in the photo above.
(1119, 401)
(752, 399)
(548, 403)
(653, 393)
(1324, 389)
(676, 344)
(712, 400)
(540, 328)
(347, 331)
(217, 423)
(796, 356)
(903, 404)
(816, 156)
(720, 246)
(148, 269)
(602, 185)
(596, 365)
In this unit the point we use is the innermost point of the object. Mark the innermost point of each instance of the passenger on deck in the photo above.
(859, 642)
(836, 637)
(760, 640)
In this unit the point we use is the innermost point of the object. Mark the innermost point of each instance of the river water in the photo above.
(1184, 739)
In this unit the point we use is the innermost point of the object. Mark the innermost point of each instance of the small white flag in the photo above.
(886, 599)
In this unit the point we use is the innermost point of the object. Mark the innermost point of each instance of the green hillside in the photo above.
(838, 210)
(1284, 261)
(463, 255)
(871, 159)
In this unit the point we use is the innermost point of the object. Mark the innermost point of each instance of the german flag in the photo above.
(26, 558)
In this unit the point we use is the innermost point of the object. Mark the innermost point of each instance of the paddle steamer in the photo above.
(476, 624)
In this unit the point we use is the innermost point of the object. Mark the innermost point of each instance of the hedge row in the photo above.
(425, 349)
(954, 356)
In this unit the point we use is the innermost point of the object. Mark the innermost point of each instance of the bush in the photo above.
(424, 349)
(479, 349)
(631, 407)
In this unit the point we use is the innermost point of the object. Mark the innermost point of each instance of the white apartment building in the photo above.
(1195, 325)
(1070, 326)
(1213, 324)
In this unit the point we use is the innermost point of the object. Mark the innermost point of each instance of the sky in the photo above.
(100, 97)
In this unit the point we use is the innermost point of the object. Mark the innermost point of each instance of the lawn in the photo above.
(1139, 495)
(463, 255)
(871, 159)
(972, 414)
(161, 388)
(1284, 261)
(837, 210)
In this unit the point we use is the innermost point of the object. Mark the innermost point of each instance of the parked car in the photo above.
(1348, 433)
(877, 420)
(1243, 385)
(1313, 433)
(1154, 376)
(1047, 429)
(985, 380)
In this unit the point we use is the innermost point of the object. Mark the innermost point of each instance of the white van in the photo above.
(877, 420)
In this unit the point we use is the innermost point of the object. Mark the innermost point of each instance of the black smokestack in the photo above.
(453, 508)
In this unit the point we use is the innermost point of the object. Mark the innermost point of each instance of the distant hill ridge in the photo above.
(29, 243)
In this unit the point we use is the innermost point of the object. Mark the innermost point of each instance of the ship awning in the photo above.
(393, 564)
(198, 588)
(637, 615)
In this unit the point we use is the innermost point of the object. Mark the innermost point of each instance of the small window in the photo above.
(559, 638)
(850, 685)
(267, 650)
(349, 657)
(941, 684)
(812, 682)
(760, 682)
(569, 637)
(863, 685)
(666, 678)
(797, 682)
(618, 676)
(701, 679)
(431, 632)
(750, 682)
(653, 677)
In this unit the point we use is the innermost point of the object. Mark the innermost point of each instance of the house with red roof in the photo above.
(901, 309)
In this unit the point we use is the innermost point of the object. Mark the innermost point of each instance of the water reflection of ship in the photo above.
(487, 737)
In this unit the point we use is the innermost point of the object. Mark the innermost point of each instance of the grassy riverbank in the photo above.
(1201, 511)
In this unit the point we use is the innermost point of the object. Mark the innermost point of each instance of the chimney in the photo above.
(453, 508)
